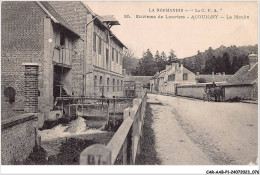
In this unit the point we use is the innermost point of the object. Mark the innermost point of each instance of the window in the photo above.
(120, 59)
(100, 84)
(94, 42)
(185, 76)
(99, 45)
(113, 85)
(121, 85)
(62, 39)
(113, 50)
(116, 57)
(118, 85)
(107, 84)
(171, 77)
(107, 58)
(9, 93)
(95, 83)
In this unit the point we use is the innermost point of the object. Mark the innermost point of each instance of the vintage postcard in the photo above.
(130, 83)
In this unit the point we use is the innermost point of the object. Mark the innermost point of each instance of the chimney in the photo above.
(223, 73)
(181, 68)
(175, 66)
(252, 60)
(197, 73)
(124, 72)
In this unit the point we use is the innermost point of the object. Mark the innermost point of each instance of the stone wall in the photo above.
(243, 91)
(18, 137)
(239, 91)
(194, 91)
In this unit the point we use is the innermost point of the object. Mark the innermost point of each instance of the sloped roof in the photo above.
(55, 16)
(110, 19)
(215, 78)
(185, 70)
(100, 19)
(245, 75)
(162, 74)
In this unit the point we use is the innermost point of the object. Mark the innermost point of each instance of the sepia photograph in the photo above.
(130, 83)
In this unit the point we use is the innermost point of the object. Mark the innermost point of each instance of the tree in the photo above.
(198, 62)
(146, 66)
(157, 56)
(163, 56)
(129, 61)
(227, 63)
(172, 58)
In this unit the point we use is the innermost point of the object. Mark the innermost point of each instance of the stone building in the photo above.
(173, 75)
(75, 50)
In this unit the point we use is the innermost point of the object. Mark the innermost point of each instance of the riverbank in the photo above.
(65, 150)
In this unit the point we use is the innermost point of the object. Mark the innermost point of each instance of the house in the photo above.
(103, 51)
(74, 49)
(247, 74)
(154, 83)
(244, 83)
(173, 75)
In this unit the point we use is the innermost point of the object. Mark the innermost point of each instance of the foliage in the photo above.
(222, 59)
(129, 61)
(149, 64)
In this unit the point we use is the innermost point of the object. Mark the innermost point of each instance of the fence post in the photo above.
(125, 145)
(96, 155)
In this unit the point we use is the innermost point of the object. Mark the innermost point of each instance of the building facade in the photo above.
(75, 49)
(167, 80)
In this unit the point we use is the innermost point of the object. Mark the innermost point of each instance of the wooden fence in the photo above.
(127, 137)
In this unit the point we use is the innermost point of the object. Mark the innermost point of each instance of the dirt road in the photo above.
(193, 132)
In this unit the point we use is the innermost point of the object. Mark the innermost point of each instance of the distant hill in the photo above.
(222, 59)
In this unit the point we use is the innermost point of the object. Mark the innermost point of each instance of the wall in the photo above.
(78, 16)
(194, 91)
(240, 91)
(18, 138)
(21, 41)
(231, 91)
(110, 44)
(117, 91)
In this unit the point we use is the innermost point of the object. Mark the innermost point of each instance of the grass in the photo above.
(148, 155)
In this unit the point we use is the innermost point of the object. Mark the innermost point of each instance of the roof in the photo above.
(162, 74)
(110, 19)
(100, 19)
(138, 79)
(245, 75)
(185, 70)
(55, 16)
(215, 78)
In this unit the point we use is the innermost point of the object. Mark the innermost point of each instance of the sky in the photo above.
(184, 36)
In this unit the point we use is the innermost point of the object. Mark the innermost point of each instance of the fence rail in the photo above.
(126, 138)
